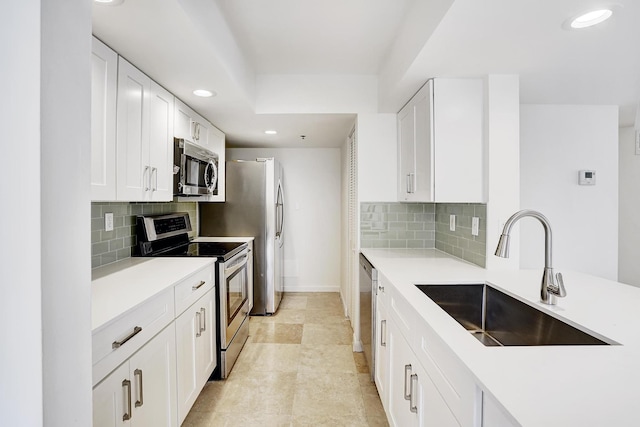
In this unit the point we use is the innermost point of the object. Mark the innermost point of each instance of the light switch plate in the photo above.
(108, 221)
(475, 225)
(452, 223)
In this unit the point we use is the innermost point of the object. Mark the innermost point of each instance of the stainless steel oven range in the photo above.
(167, 236)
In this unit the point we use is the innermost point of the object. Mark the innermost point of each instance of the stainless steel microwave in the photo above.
(195, 170)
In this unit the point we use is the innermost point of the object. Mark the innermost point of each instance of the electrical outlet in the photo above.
(108, 221)
(475, 225)
(452, 223)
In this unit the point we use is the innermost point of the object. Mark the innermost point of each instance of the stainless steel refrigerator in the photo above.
(254, 207)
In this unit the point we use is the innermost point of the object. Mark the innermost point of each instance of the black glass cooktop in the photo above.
(224, 250)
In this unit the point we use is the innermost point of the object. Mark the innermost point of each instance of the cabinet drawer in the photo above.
(402, 312)
(453, 381)
(117, 340)
(193, 287)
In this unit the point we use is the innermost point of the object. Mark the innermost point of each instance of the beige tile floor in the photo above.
(296, 369)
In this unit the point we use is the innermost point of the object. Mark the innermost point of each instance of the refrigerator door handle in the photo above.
(280, 209)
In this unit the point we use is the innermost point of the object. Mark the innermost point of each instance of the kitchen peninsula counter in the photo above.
(536, 385)
(123, 285)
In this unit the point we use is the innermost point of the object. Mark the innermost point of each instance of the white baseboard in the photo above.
(357, 345)
(312, 289)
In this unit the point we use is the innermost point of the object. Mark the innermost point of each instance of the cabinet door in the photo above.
(182, 121)
(133, 169)
(200, 131)
(187, 340)
(401, 367)
(111, 406)
(104, 78)
(161, 143)
(423, 190)
(196, 350)
(381, 375)
(493, 415)
(206, 356)
(432, 408)
(406, 152)
(415, 148)
(459, 154)
(153, 376)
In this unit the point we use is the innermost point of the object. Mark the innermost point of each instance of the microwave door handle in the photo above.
(207, 182)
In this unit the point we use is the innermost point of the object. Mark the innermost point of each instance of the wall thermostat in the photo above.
(587, 177)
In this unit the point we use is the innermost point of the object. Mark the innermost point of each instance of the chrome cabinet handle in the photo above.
(198, 286)
(127, 414)
(414, 381)
(383, 333)
(204, 319)
(198, 316)
(147, 181)
(408, 183)
(135, 332)
(138, 373)
(407, 370)
(154, 171)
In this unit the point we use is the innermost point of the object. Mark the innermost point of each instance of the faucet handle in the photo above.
(561, 291)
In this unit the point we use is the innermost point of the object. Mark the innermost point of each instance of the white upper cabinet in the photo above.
(104, 81)
(440, 143)
(161, 143)
(133, 123)
(144, 137)
(192, 126)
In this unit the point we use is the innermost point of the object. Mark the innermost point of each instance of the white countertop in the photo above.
(123, 285)
(545, 385)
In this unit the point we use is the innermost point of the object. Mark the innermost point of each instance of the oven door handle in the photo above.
(229, 271)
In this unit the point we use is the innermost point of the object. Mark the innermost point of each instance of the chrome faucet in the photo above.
(552, 285)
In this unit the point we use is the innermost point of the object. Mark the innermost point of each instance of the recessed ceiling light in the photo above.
(203, 93)
(271, 132)
(591, 18)
(109, 2)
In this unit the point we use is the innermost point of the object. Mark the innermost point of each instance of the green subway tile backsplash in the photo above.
(425, 225)
(112, 246)
(397, 225)
(461, 243)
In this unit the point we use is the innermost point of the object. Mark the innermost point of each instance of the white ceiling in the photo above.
(239, 48)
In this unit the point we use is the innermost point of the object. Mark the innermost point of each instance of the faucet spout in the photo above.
(552, 286)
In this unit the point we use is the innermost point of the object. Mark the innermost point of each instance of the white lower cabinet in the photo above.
(493, 415)
(381, 374)
(196, 350)
(414, 399)
(141, 391)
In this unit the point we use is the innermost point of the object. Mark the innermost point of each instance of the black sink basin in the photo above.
(497, 319)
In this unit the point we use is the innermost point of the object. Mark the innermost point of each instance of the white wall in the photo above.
(377, 153)
(21, 401)
(556, 142)
(312, 185)
(629, 226)
(502, 168)
(45, 305)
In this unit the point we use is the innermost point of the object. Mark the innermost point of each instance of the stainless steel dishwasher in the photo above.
(368, 283)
